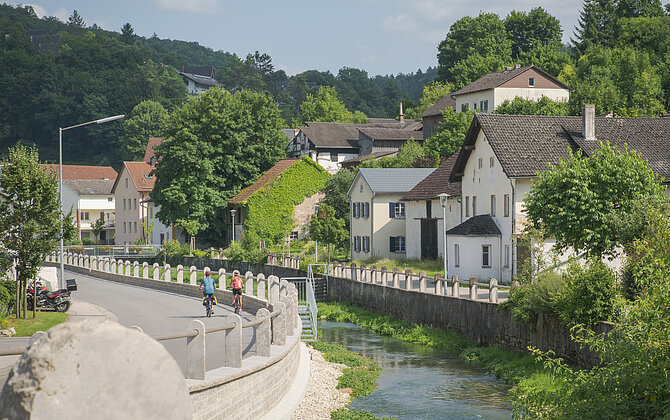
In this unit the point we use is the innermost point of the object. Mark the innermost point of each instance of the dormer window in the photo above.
(531, 82)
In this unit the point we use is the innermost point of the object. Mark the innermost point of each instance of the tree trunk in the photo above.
(17, 296)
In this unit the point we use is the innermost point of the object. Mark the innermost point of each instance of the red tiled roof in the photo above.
(82, 172)
(140, 174)
(153, 141)
(265, 179)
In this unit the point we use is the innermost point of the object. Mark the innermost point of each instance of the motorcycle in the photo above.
(58, 300)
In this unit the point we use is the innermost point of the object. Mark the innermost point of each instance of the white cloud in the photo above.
(62, 14)
(39, 10)
(193, 6)
(365, 54)
(400, 23)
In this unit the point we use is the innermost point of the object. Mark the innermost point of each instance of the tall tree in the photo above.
(596, 25)
(127, 34)
(450, 134)
(528, 30)
(336, 197)
(216, 144)
(325, 106)
(29, 215)
(328, 229)
(432, 93)
(76, 21)
(148, 119)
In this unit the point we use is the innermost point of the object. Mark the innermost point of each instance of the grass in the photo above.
(431, 267)
(42, 322)
(361, 373)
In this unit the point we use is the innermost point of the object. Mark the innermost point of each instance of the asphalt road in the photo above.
(158, 312)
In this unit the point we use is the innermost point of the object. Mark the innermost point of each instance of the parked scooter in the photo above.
(58, 300)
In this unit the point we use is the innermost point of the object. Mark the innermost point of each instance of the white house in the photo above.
(425, 227)
(198, 79)
(90, 200)
(500, 157)
(378, 216)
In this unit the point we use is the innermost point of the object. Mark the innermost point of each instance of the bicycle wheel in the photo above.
(208, 305)
(237, 305)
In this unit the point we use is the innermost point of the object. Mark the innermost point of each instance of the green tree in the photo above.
(127, 34)
(432, 92)
(328, 229)
(579, 200)
(30, 224)
(98, 227)
(76, 21)
(325, 106)
(528, 30)
(543, 106)
(482, 40)
(550, 57)
(450, 134)
(596, 26)
(148, 119)
(336, 190)
(216, 144)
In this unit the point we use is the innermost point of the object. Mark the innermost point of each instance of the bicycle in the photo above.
(237, 304)
(209, 301)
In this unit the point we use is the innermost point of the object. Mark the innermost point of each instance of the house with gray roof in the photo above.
(497, 163)
(90, 200)
(485, 94)
(198, 79)
(378, 215)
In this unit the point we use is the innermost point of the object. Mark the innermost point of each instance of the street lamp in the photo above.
(60, 184)
(232, 214)
(443, 203)
(316, 243)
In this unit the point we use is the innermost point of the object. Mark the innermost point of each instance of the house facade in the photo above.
(198, 79)
(425, 222)
(91, 200)
(500, 158)
(378, 215)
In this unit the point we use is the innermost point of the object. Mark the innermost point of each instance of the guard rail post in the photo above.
(195, 346)
(274, 290)
(455, 287)
(145, 270)
(222, 278)
(180, 273)
(438, 284)
(493, 291)
(261, 287)
(234, 342)
(167, 272)
(408, 279)
(279, 325)
(473, 288)
(249, 283)
(156, 274)
(422, 281)
(193, 275)
(136, 269)
(263, 336)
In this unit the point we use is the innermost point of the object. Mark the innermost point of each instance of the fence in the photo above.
(113, 251)
(406, 280)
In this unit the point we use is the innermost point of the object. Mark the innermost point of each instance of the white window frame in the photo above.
(531, 82)
(486, 256)
(84, 215)
(399, 244)
(399, 210)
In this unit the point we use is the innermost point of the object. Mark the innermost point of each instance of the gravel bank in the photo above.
(321, 397)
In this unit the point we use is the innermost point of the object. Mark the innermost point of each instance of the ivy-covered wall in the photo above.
(269, 211)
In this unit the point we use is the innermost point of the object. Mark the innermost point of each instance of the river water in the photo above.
(420, 382)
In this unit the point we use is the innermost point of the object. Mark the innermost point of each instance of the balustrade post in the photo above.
(294, 321)
(438, 284)
(167, 273)
(269, 259)
(127, 273)
(263, 333)
(279, 325)
(87, 262)
(222, 278)
(193, 275)
(195, 349)
(384, 276)
(234, 342)
(94, 263)
(156, 275)
(396, 278)
(375, 274)
(422, 281)
(408, 279)
(212, 253)
(136, 269)
(473, 288)
(274, 290)
(493, 291)
(261, 286)
(283, 291)
(105, 264)
(363, 277)
(249, 283)
(455, 287)
(353, 272)
(145, 270)
(113, 269)
(180, 273)
(287, 300)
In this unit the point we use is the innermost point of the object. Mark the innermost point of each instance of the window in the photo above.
(486, 106)
(361, 189)
(135, 227)
(429, 212)
(135, 204)
(162, 238)
(506, 205)
(124, 227)
(333, 156)
(491, 162)
(366, 244)
(109, 199)
(457, 256)
(531, 82)
(467, 206)
(151, 212)
(474, 205)
(397, 210)
(506, 255)
(474, 106)
(126, 182)
(84, 215)
(124, 203)
(102, 215)
(480, 163)
(464, 107)
(493, 206)
(356, 210)
(366, 210)
(357, 243)
(486, 256)
(481, 105)
(397, 244)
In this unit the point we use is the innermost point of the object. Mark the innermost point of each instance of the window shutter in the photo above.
(366, 210)
(358, 210)
(391, 210)
(392, 245)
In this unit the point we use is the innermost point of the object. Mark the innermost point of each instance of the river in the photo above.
(420, 382)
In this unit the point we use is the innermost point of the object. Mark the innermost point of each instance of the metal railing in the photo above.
(116, 250)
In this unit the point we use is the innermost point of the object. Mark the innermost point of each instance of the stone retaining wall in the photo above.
(483, 322)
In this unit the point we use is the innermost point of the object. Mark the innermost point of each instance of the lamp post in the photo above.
(316, 243)
(60, 184)
(232, 214)
(443, 203)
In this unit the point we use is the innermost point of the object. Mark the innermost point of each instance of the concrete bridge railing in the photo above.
(435, 285)
(279, 354)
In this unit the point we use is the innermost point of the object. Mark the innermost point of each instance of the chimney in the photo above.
(508, 68)
(517, 66)
(589, 121)
(152, 161)
(401, 117)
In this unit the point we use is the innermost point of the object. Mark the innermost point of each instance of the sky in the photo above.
(379, 36)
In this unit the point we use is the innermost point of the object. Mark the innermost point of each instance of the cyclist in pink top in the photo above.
(236, 283)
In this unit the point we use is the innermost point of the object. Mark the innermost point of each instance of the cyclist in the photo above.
(236, 284)
(208, 283)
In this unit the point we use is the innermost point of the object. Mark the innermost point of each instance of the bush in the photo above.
(235, 252)
(172, 253)
(88, 241)
(532, 298)
(7, 296)
(201, 253)
(589, 294)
